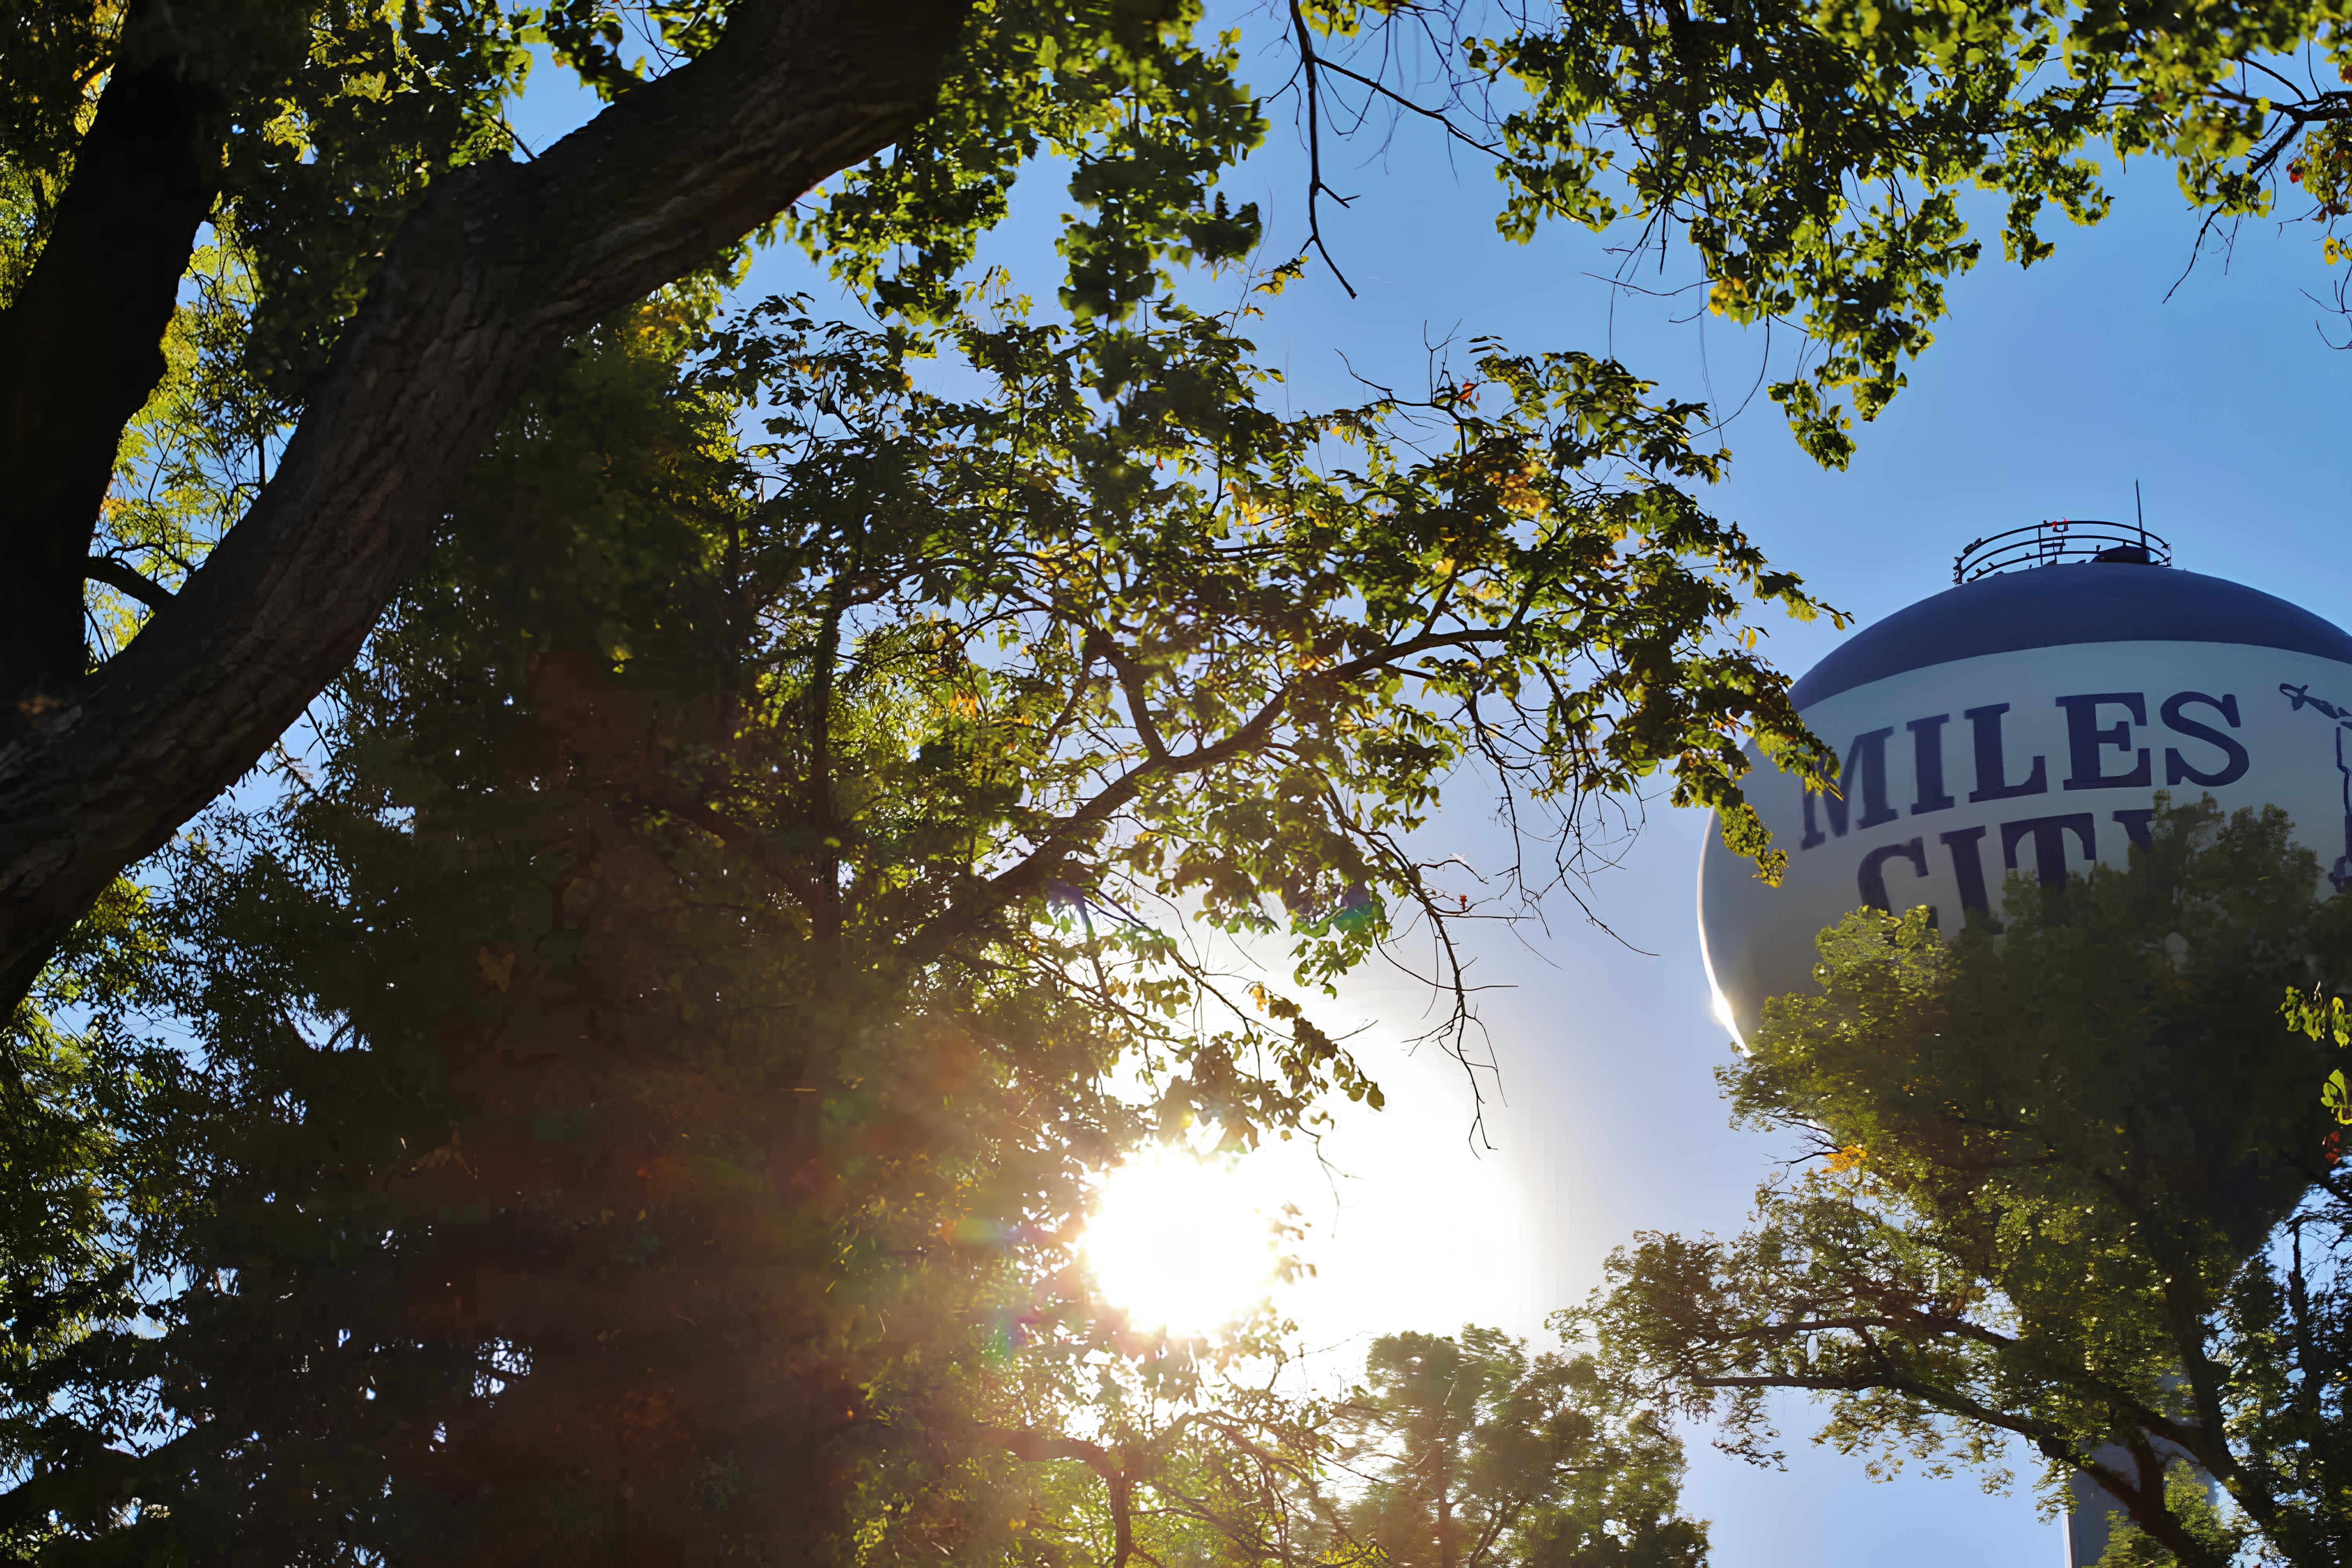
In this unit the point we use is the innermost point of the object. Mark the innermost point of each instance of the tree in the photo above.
(407, 278)
(672, 1033)
(1066, 1454)
(1461, 1450)
(1474, 1455)
(2069, 1185)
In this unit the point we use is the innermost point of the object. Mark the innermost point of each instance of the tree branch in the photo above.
(2144, 1503)
(106, 569)
(1101, 644)
(1030, 875)
(1310, 65)
(1118, 1478)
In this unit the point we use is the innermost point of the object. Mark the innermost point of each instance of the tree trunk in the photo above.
(81, 347)
(489, 276)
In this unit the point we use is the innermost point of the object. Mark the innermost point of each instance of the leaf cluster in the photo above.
(1145, 113)
(1473, 1454)
(1819, 157)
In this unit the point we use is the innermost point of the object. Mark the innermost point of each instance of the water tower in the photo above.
(2023, 719)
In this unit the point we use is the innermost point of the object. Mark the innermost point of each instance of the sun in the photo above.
(1182, 1244)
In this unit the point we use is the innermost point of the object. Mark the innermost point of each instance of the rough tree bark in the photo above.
(484, 280)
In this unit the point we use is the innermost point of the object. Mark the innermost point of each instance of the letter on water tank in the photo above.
(2044, 710)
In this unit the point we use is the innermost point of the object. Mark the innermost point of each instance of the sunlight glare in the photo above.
(1720, 1006)
(1180, 1243)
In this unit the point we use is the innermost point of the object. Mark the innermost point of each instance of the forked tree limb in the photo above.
(483, 282)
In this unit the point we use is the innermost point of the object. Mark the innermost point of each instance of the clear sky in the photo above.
(2046, 396)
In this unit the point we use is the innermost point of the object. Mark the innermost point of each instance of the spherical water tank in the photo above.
(2025, 720)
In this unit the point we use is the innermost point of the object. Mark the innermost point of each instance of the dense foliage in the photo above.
(1817, 160)
(631, 1089)
(2069, 1185)
(334, 120)
(640, 1081)
(1473, 1454)
(1453, 1452)
(334, 197)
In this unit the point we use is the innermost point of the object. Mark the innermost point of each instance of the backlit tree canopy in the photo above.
(625, 1093)
(374, 271)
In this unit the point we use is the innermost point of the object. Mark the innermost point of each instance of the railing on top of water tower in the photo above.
(2064, 540)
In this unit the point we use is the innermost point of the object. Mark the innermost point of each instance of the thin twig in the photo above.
(1312, 63)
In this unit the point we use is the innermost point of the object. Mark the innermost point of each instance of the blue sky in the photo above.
(2047, 393)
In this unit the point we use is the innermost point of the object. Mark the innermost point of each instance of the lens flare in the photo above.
(1182, 1244)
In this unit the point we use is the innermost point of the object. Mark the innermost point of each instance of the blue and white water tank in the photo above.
(2024, 721)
